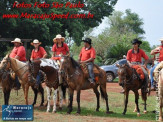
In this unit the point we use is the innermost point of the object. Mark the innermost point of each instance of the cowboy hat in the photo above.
(88, 40)
(58, 37)
(16, 40)
(35, 42)
(134, 41)
(161, 39)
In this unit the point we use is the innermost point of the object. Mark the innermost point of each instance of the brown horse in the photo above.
(21, 70)
(76, 80)
(129, 79)
(7, 82)
(50, 68)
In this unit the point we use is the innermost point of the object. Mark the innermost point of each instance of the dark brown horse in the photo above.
(76, 80)
(129, 79)
(50, 68)
(21, 71)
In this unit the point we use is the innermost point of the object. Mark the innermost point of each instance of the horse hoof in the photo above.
(68, 112)
(54, 112)
(145, 112)
(123, 113)
(138, 115)
(41, 105)
(135, 110)
(60, 108)
(97, 110)
(47, 111)
(77, 112)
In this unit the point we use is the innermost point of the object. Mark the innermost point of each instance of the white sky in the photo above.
(151, 11)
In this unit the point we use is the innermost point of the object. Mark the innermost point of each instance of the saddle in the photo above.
(96, 71)
(139, 71)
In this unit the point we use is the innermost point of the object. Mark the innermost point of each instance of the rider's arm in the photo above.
(17, 57)
(155, 51)
(89, 60)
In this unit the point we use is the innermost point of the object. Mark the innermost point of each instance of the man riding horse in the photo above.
(18, 53)
(157, 50)
(134, 58)
(87, 56)
(59, 48)
(37, 53)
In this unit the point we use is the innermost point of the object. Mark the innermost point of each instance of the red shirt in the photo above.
(87, 54)
(161, 54)
(19, 51)
(39, 54)
(64, 49)
(136, 57)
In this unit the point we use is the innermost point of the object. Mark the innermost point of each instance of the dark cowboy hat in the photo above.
(88, 40)
(134, 41)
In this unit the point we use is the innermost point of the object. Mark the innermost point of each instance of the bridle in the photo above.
(8, 60)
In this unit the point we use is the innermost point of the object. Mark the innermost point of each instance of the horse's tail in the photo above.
(64, 91)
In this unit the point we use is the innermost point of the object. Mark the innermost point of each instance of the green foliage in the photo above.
(45, 30)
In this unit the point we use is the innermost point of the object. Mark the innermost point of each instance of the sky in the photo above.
(151, 11)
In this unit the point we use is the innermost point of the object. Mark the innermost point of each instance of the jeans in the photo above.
(151, 74)
(90, 70)
(38, 78)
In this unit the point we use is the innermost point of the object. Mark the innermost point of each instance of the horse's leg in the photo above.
(126, 101)
(42, 94)
(104, 95)
(8, 96)
(71, 91)
(55, 100)
(97, 96)
(48, 98)
(35, 97)
(60, 98)
(5, 96)
(26, 93)
(136, 102)
(78, 101)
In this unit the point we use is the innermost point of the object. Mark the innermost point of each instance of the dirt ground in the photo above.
(49, 117)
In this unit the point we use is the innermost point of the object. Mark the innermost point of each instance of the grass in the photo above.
(88, 112)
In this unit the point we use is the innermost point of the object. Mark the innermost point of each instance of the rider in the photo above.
(18, 53)
(87, 55)
(134, 57)
(37, 53)
(59, 48)
(157, 50)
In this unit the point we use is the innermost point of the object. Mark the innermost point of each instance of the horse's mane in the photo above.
(75, 63)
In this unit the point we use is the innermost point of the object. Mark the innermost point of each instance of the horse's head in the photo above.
(64, 64)
(122, 74)
(33, 67)
(5, 63)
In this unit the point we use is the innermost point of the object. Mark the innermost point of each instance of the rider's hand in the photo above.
(130, 64)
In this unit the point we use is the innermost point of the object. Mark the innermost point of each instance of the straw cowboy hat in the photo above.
(58, 37)
(161, 39)
(17, 40)
(35, 42)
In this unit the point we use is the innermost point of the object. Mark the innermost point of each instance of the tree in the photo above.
(45, 30)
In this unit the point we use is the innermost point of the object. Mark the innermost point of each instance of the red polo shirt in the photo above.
(161, 54)
(136, 57)
(64, 49)
(39, 54)
(19, 51)
(87, 54)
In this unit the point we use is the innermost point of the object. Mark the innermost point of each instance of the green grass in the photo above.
(116, 104)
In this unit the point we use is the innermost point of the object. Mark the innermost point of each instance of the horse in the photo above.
(128, 78)
(50, 68)
(76, 80)
(160, 93)
(7, 83)
(21, 70)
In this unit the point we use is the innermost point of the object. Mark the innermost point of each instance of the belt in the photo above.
(135, 63)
